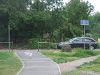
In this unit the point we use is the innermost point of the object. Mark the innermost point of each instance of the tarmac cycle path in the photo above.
(34, 63)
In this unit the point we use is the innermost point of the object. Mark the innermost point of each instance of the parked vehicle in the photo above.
(79, 42)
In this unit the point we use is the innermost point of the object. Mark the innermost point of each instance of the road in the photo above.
(34, 63)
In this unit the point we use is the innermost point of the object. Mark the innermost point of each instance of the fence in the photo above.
(46, 45)
(6, 45)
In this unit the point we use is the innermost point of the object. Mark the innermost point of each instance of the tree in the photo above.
(95, 22)
(10, 11)
(29, 19)
(75, 11)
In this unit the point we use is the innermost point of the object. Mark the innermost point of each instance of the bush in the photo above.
(33, 44)
(51, 45)
(98, 45)
(47, 45)
(66, 48)
(83, 53)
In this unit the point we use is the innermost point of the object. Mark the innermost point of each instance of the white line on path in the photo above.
(28, 53)
(22, 64)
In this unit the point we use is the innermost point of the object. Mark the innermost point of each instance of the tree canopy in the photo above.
(33, 18)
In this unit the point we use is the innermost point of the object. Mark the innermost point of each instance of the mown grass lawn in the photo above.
(9, 63)
(92, 66)
(63, 57)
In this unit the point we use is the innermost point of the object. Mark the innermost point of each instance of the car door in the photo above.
(77, 43)
(86, 42)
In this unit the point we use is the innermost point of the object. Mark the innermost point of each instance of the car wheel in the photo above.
(91, 48)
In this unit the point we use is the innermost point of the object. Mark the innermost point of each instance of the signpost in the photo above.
(9, 43)
(84, 23)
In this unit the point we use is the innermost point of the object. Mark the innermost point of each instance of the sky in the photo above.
(95, 3)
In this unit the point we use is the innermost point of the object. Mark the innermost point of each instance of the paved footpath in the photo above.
(34, 63)
(69, 66)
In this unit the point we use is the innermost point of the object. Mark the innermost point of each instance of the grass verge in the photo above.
(75, 72)
(63, 57)
(92, 66)
(9, 63)
(88, 67)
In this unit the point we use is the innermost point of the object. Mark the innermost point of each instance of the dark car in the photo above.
(79, 42)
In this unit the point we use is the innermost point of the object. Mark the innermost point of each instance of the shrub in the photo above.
(33, 44)
(98, 45)
(51, 45)
(66, 48)
(47, 45)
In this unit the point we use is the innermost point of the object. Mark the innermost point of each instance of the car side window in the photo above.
(77, 40)
(88, 40)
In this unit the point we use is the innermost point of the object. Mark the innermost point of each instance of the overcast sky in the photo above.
(95, 3)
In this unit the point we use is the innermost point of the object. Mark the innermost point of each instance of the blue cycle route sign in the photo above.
(84, 22)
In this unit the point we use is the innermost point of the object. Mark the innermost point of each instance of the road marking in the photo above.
(28, 53)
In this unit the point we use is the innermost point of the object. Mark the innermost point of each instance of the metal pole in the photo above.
(38, 46)
(84, 30)
(12, 46)
(9, 37)
(84, 36)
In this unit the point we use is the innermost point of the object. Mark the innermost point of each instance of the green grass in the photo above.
(59, 57)
(92, 66)
(63, 57)
(9, 63)
(75, 72)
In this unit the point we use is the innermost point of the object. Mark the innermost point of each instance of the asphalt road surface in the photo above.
(34, 63)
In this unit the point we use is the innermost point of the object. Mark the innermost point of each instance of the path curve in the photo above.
(34, 63)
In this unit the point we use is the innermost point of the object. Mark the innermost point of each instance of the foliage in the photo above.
(35, 43)
(95, 25)
(98, 45)
(66, 48)
(31, 19)
(76, 10)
